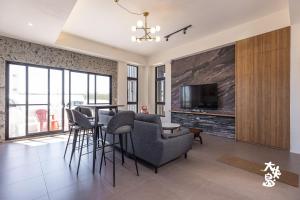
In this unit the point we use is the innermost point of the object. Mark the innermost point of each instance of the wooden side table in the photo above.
(196, 132)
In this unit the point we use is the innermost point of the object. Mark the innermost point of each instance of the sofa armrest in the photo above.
(175, 147)
(147, 147)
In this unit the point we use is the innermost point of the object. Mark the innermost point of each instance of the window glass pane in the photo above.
(66, 92)
(78, 89)
(160, 72)
(160, 109)
(91, 88)
(37, 119)
(160, 91)
(37, 85)
(17, 121)
(132, 107)
(55, 100)
(103, 89)
(132, 90)
(132, 71)
(17, 84)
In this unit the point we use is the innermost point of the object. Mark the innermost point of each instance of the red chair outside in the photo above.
(42, 117)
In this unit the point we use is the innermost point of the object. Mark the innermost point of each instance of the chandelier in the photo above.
(148, 32)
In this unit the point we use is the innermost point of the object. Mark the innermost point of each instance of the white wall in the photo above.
(143, 86)
(122, 84)
(151, 89)
(295, 74)
(262, 25)
(85, 46)
(295, 92)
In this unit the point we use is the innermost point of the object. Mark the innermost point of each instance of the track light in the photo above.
(184, 30)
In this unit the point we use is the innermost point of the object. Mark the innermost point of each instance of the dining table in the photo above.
(96, 108)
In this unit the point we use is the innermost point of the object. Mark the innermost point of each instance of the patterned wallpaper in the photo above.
(26, 52)
(215, 66)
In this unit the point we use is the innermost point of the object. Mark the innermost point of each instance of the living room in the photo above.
(203, 100)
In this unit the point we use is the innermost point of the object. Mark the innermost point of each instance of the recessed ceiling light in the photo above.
(30, 24)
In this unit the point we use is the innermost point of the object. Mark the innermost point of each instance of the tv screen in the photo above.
(199, 96)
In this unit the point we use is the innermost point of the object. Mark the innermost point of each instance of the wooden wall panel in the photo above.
(263, 89)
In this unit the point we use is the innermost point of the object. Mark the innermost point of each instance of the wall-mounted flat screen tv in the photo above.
(199, 96)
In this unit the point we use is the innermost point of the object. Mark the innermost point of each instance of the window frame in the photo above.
(64, 104)
(156, 81)
(137, 86)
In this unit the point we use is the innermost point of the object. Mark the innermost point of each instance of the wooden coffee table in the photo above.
(196, 132)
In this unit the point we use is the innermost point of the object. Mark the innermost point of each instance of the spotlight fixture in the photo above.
(184, 30)
(148, 32)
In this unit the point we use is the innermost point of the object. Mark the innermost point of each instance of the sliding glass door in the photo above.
(38, 96)
(37, 100)
(56, 100)
(17, 101)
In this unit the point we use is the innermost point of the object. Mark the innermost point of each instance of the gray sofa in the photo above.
(151, 143)
(155, 147)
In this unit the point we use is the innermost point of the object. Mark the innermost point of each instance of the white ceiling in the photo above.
(105, 22)
(46, 16)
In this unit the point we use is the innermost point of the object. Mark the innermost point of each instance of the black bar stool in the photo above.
(119, 125)
(87, 128)
(72, 128)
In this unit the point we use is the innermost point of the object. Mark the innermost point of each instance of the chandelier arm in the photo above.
(126, 9)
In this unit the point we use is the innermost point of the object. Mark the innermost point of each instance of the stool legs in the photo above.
(103, 153)
(70, 133)
(114, 154)
(102, 142)
(74, 145)
(114, 162)
(80, 152)
(135, 159)
(122, 149)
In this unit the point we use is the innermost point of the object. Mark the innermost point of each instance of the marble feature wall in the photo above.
(26, 52)
(214, 125)
(215, 66)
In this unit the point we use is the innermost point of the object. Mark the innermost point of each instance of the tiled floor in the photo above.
(37, 170)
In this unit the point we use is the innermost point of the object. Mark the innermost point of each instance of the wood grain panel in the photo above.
(263, 90)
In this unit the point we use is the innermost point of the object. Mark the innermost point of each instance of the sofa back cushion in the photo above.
(155, 119)
(105, 116)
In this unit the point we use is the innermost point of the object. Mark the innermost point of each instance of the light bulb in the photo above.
(150, 39)
(140, 23)
(157, 39)
(133, 28)
(157, 28)
(138, 40)
(133, 38)
(152, 30)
